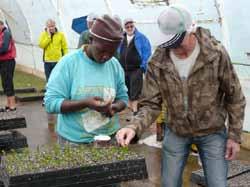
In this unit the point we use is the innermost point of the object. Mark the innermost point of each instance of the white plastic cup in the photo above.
(102, 140)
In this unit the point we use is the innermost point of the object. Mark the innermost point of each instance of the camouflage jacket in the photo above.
(212, 90)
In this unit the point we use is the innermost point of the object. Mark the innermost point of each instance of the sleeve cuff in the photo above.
(235, 137)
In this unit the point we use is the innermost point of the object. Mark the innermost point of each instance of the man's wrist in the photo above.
(236, 138)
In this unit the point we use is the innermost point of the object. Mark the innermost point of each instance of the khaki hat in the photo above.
(173, 23)
(107, 28)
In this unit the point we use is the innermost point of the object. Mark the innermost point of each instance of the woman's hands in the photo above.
(98, 104)
(106, 107)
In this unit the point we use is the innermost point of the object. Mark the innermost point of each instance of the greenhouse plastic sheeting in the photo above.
(225, 19)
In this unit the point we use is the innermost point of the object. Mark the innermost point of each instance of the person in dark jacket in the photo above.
(7, 66)
(135, 51)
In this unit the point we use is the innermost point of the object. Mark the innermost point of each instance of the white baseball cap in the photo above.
(173, 23)
(128, 20)
(92, 17)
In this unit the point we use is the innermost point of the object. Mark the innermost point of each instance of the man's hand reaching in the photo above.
(124, 136)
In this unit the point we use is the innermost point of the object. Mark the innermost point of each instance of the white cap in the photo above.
(92, 17)
(173, 22)
(128, 20)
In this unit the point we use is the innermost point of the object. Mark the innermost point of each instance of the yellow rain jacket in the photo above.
(54, 46)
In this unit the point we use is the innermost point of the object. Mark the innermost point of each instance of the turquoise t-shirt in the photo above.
(78, 77)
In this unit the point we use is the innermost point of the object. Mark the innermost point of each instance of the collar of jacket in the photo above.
(136, 32)
(208, 52)
(45, 29)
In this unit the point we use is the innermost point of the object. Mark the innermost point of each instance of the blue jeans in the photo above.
(48, 67)
(211, 148)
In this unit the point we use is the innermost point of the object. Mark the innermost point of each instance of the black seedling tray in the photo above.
(11, 120)
(97, 175)
(69, 166)
(12, 140)
(36, 97)
(236, 169)
(22, 90)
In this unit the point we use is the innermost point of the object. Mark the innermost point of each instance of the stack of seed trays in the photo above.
(11, 120)
(71, 166)
(12, 139)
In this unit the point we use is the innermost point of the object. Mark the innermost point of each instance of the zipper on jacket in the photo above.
(184, 86)
(185, 93)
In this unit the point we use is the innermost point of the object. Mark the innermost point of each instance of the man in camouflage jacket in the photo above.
(198, 106)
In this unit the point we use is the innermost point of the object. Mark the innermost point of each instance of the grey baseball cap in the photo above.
(173, 23)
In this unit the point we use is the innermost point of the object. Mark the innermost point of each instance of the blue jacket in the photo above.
(143, 47)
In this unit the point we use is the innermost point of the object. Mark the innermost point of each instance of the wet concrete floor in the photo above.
(38, 133)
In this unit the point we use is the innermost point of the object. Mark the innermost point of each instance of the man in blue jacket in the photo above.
(135, 51)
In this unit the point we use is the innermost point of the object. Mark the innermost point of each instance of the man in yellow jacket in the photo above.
(54, 46)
